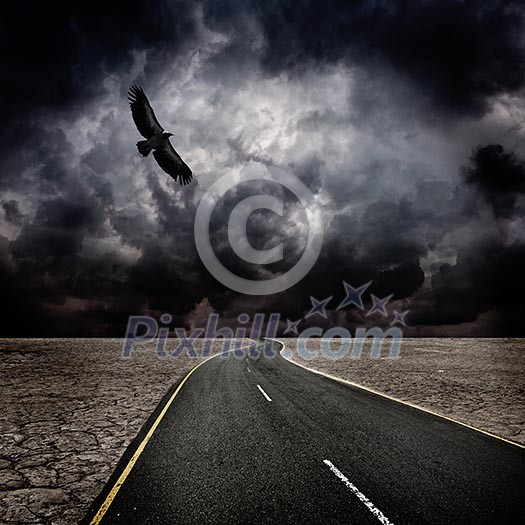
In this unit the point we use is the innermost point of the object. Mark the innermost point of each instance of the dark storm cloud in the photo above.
(46, 266)
(487, 275)
(499, 176)
(384, 244)
(12, 212)
(309, 171)
(381, 247)
(30, 145)
(458, 53)
(58, 230)
(265, 229)
(484, 278)
(242, 153)
(170, 265)
(57, 53)
(338, 93)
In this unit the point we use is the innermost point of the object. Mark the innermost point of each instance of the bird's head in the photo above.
(167, 134)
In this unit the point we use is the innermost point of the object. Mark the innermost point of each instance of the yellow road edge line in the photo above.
(407, 403)
(131, 463)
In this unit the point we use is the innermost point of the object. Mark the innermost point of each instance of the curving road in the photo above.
(260, 440)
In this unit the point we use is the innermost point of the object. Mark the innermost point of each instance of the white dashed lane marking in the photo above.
(267, 397)
(368, 504)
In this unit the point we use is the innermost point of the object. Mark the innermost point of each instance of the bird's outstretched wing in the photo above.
(142, 113)
(170, 161)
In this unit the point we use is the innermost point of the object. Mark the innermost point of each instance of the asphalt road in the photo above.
(260, 440)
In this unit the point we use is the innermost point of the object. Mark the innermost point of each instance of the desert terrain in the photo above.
(70, 407)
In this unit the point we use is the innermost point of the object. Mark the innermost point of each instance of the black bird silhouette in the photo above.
(157, 139)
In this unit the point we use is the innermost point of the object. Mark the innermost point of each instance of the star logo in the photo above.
(292, 327)
(379, 305)
(399, 318)
(354, 295)
(318, 307)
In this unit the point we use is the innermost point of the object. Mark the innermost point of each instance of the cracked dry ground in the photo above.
(68, 410)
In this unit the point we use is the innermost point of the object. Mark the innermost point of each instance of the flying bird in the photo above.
(157, 139)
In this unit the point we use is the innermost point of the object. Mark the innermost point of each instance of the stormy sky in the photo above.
(405, 119)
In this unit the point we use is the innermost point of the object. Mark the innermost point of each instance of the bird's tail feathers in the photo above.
(144, 148)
